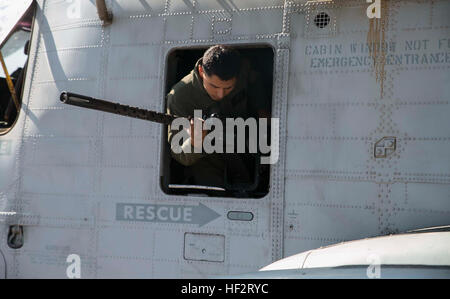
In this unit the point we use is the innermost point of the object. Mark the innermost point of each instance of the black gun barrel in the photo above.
(101, 105)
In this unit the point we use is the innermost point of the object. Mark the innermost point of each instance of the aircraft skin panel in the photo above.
(49, 247)
(336, 109)
(312, 82)
(74, 15)
(90, 36)
(327, 198)
(352, 163)
(440, 15)
(419, 93)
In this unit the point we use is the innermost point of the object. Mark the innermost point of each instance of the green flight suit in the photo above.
(189, 94)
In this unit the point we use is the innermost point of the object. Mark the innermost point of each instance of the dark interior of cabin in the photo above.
(176, 178)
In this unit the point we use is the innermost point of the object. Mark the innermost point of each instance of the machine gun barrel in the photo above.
(101, 105)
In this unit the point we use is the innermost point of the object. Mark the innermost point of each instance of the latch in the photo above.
(15, 236)
(16, 222)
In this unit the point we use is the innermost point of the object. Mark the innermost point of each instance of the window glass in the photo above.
(11, 11)
(14, 53)
(14, 50)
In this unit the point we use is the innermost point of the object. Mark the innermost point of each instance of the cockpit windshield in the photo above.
(16, 17)
(13, 51)
(11, 11)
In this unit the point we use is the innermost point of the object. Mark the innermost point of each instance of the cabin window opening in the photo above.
(244, 176)
(15, 55)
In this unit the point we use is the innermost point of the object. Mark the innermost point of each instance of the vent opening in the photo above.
(322, 20)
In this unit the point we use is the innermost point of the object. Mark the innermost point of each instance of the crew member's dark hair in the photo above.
(222, 61)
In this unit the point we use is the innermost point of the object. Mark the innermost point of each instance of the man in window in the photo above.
(223, 83)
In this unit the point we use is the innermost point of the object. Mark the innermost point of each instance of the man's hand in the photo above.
(197, 131)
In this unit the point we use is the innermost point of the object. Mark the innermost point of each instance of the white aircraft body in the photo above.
(363, 106)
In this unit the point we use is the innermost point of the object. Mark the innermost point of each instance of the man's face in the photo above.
(216, 88)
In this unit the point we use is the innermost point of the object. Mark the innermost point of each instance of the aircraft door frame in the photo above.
(279, 110)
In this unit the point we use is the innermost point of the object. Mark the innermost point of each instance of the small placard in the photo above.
(204, 247)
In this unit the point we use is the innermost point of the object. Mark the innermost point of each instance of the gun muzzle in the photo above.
(79, 100)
